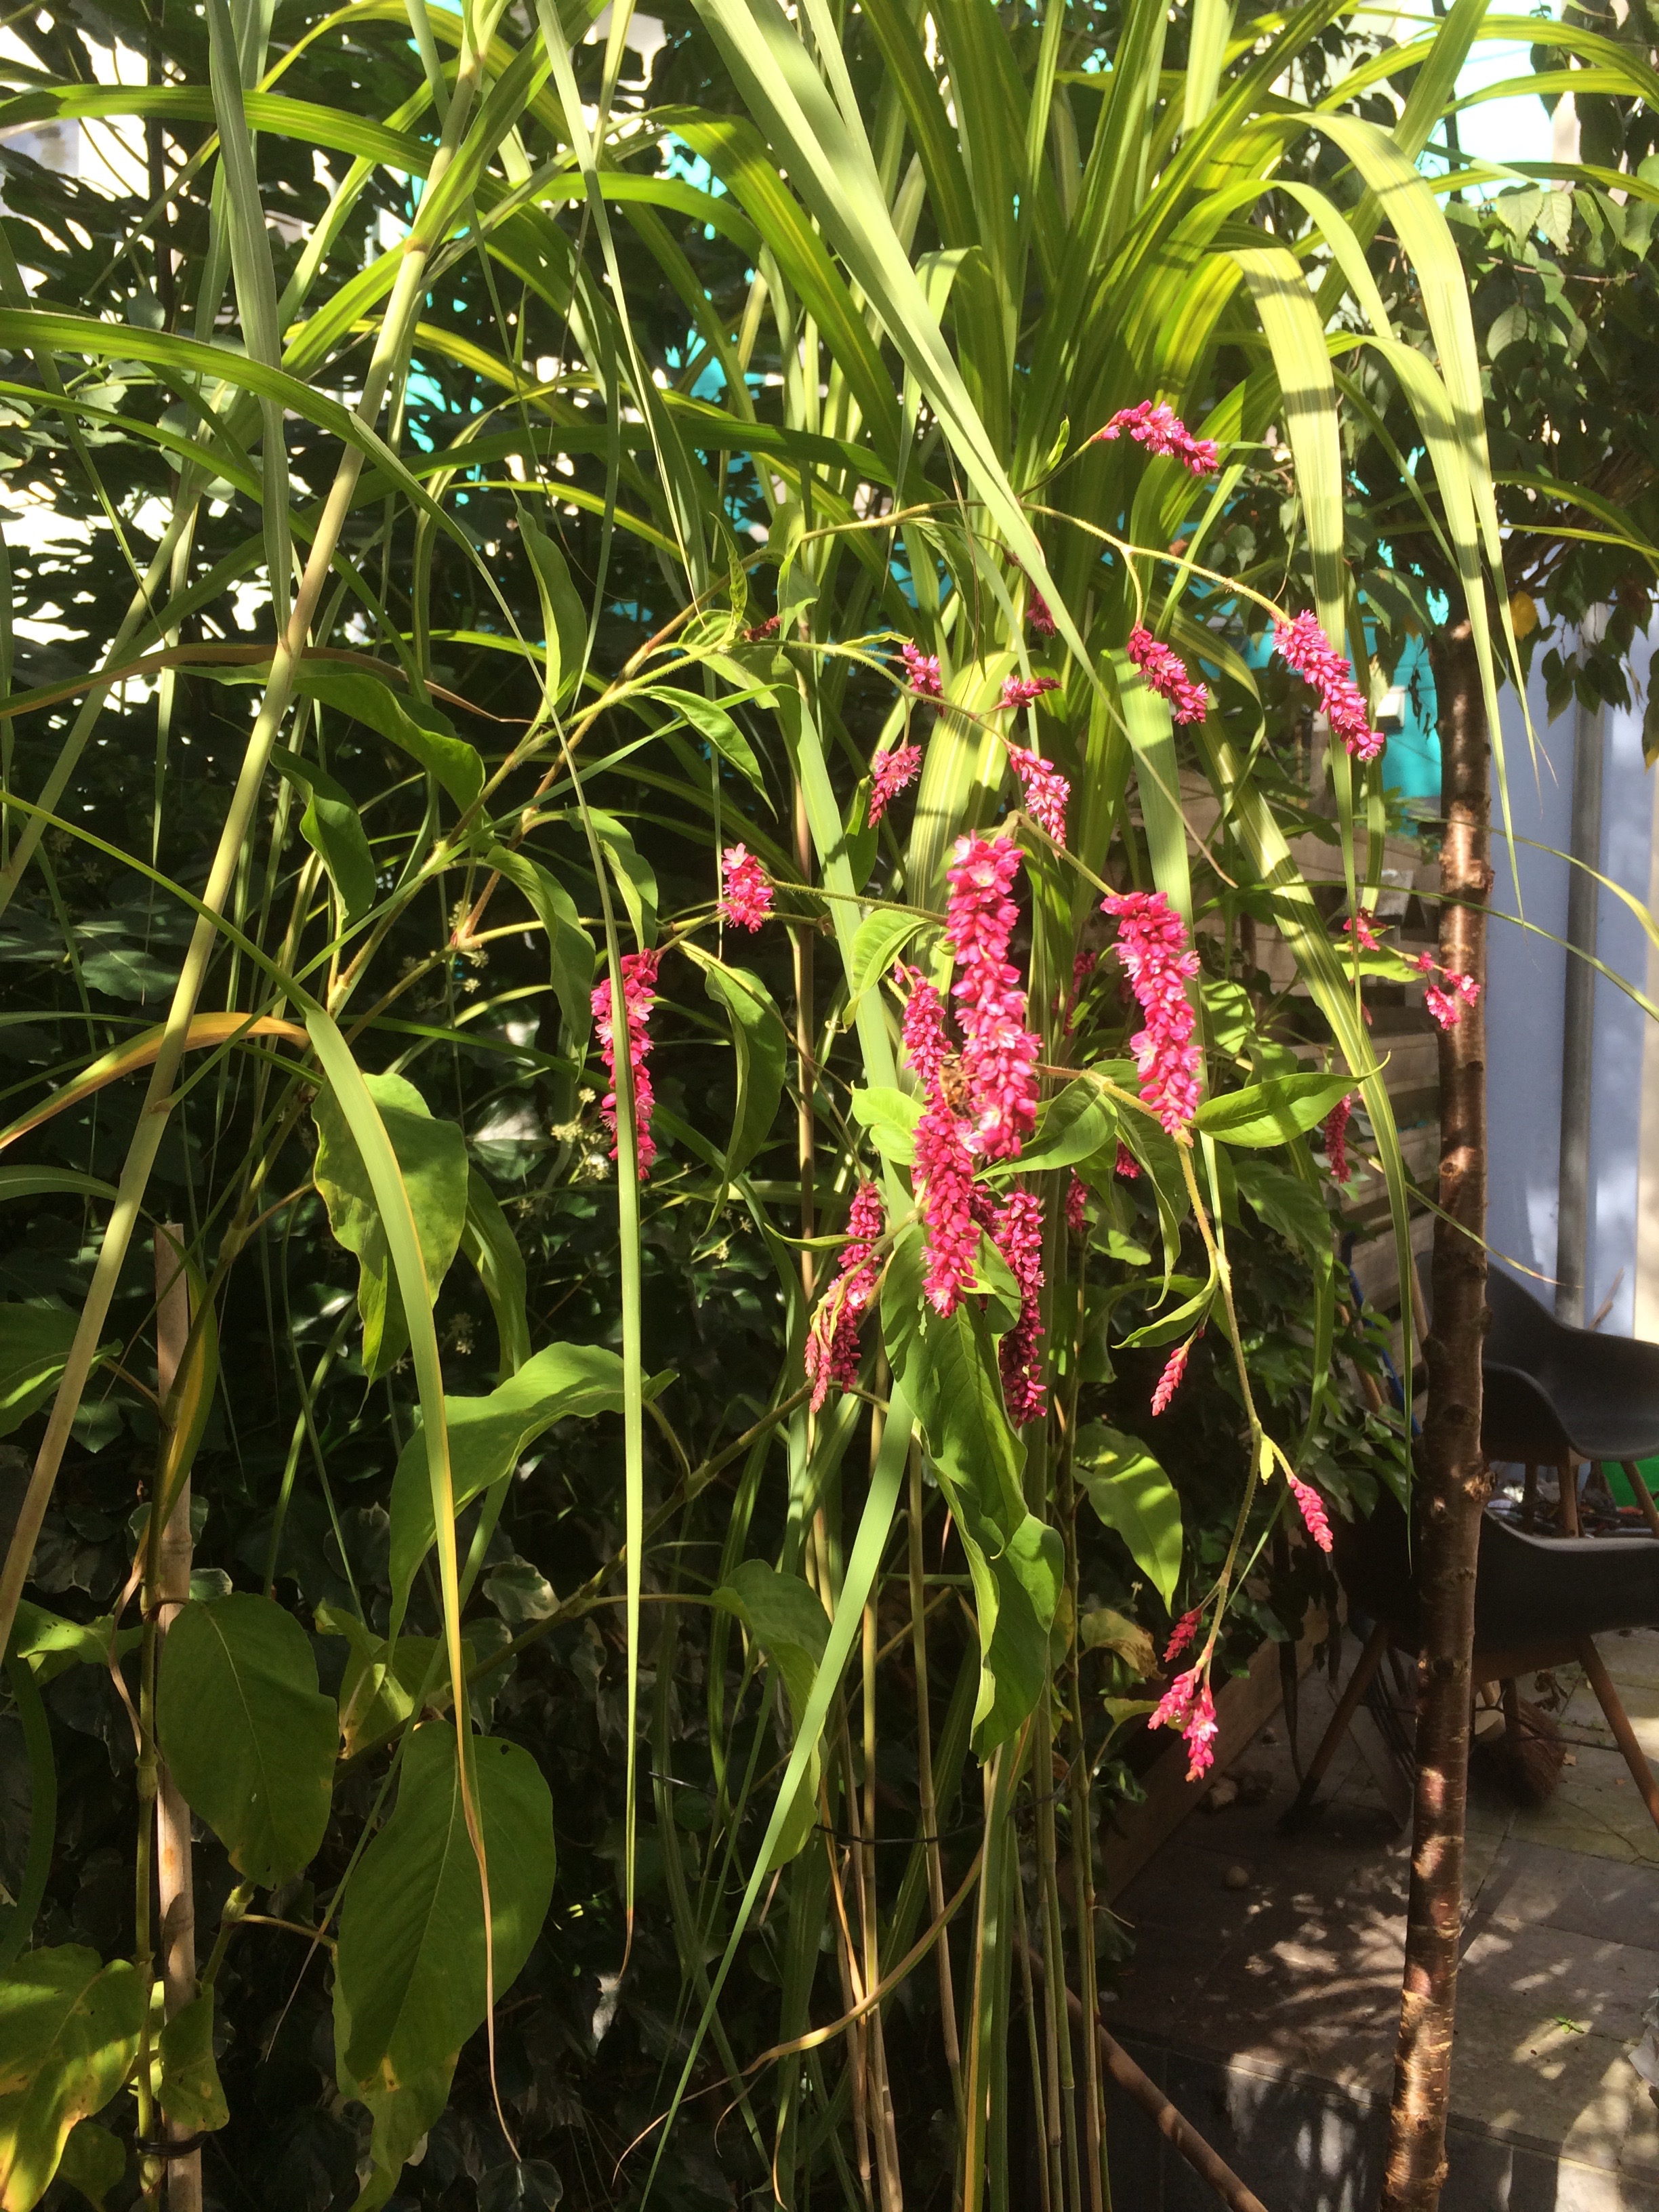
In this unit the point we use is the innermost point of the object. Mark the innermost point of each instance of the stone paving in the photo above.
(1264, 1986)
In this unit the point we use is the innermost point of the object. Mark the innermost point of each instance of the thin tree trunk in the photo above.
(1451, 1474)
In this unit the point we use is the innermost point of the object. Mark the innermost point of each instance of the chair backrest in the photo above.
(1524, 1332)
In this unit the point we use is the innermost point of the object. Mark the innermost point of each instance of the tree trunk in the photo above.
(1451, 1481)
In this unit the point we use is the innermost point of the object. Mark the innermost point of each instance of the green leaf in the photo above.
(414, 727)
(760, 1045)
(564, 622)
(409, 1987)
(50, 1644)
(1272, 1113)
(715, 724)
(1293, 1207)
(126, 971)
(570, 950)
(1077, 1124)
(890, 1117)
(488, 1437)
(332, 828)
(191, 2094)
(786, 1620)
(1131, 1494)
(247, 1735)
(490, 1245)
(34, 1344)
(881, 936)
(93, 2162)
(69, 2035)
(633, 874)
(40, 1183)
(431, 1158)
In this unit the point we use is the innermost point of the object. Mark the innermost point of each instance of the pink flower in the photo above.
(1045, 788)
(927, 1042)
(1336, 1138)
(1166, 673)
(1082, 968)
(1020, 691)
(1077, 1198)
(832, 1341)
(1444, 1008)
(999, 1054)
(1186, 1705)
(1127, 1165)
(1152, 946)
(1161, 430)
(889, 776)
(1425, 964)
(1305, 648)
(1359, 927)
(1170, 1381)
(921, 671)
(1038, 613)
(759, 632)
(1313, 1513)
(944, 1176)
(1017, 1232)
(1465, 986)
(1182, 1634)
(639, 973)
(748, 889)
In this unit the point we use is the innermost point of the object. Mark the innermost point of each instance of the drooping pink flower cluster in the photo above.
(1336, 1139)
(1046, 791)
(1446, 1006)
(1359, 927)
(1304, 646)
(1017, 1232)
(1126, 1167)
(1021, 690)
(1161, 430)
(1077, 1200)
(1039, 614)
(1166, 673)
(944, 1169)
(999, 1052)
(1186, 1705)
(1182, 1634)
(832, 1341)
(747, 888)
(1313, 1513)
(921, 671)
(1152, 946)
(1170, 1381)
(639, 973)
(892, 773)
(758, 633)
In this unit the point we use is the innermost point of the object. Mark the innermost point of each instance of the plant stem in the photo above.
(1451, 1471)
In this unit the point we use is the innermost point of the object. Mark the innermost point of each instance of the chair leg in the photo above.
(1643, 1495)
(1371, 1659)
(1619, 1721)
(1569, 1475)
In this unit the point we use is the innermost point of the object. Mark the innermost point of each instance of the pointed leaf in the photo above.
(1131, 1493)
(69, 2035)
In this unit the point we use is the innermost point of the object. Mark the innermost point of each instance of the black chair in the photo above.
(1539, 1602)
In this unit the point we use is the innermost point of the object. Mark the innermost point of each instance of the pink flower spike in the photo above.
(1166, 674)
(1021, 690)
(1359, 927)
(927, 1042)
(1200, 1733)
(890, 775)
(1181, 1635)
(639, 975)
(1126, 1167)
(1170, 1381)
(921, 671)
(1303, 645)
(1336, 1139)
(1161, 430)
(1017, 1232)
(1045, 788)
(1425, 964)
(944, 1176)
(757, 633)
(1077, 1199)
(1465, 986)
(1160, 963)
(748, 889)
(1446, 1009)
(1039, 614)
(832, 1341)
(1313, 1513)
(999, 1054)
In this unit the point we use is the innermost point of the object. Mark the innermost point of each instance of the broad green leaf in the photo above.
(1131, 1494)
(69, 2035)
(714, 723)
(1105, 1629)
(249, 1738)
(570, 950)
(761, 1046)
(1077, 1124)
(94, 2161)
(332, 828)
(489, 1243)
(431, 1158)
(487, 1438)
(415, 728)
(890, 1117)
(34, 1344)
(381, 1681)
(1288, 1204)
(881, 936)
(192, 2095)
(1273, 1112)
(409, 1986)
(788, 1623)
(50, 1644)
